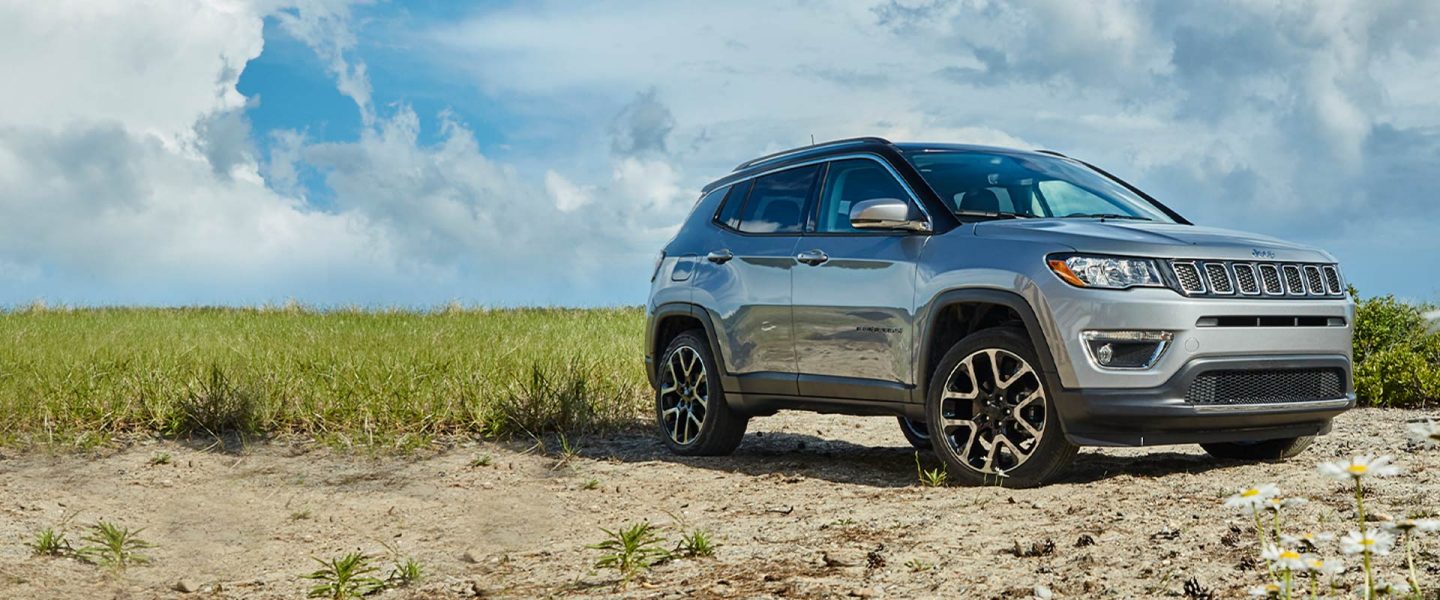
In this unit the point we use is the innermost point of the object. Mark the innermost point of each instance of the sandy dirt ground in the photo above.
(810, 506)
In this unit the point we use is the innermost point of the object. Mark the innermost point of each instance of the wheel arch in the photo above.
(672, 319)
(956, 313)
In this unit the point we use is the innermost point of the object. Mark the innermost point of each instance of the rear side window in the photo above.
(729, 215)
(777, 204)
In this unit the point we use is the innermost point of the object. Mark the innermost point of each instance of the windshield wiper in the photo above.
(992, 215)
(1103, 216)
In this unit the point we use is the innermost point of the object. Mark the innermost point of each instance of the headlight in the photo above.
(1106, 272)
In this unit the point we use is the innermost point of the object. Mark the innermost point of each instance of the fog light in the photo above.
(1104, 354)
(1126, 349)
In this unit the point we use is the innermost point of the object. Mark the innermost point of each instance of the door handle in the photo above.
(719, 257)
(812, 257)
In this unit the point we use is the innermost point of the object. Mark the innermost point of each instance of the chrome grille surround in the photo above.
(1246, 281)
(1219, 278)
(1271, 276)
(1226, 278)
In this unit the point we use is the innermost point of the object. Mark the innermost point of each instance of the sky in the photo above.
(336, 152)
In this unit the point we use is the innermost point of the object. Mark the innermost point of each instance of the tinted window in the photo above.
(729, 215)
(777, 204)
(850, 182)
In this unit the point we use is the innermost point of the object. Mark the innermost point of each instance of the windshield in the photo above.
(987, 184)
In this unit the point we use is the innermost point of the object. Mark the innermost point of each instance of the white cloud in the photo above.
(129, 148)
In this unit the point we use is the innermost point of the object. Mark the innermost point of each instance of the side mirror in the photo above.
(887, 213)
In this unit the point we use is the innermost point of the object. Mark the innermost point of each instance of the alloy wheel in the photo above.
(684, 395)
(992, 411)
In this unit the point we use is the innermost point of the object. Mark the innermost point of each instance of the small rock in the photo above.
(471, 556)
(844, 558)
(862, 593)
(186, 586)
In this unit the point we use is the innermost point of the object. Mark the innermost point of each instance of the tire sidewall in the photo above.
(1050, 455)
(715, 404)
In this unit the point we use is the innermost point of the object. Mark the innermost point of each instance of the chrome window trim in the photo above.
(914, 198)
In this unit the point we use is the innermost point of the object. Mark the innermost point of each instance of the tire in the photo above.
(1263, 450)
(915, 432)
(988, 388)
(690, 392)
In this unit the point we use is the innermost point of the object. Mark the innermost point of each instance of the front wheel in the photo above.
(690, 407)
(990, 411)
(1262, 450)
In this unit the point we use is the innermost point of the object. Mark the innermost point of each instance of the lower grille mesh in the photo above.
(1267, 385)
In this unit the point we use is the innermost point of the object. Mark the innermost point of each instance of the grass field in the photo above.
(373, 378)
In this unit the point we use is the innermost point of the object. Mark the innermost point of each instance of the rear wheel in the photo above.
(1262, 450)
(690, 407)
(916, 432)
(990, 412)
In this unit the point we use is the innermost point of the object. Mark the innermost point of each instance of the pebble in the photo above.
(186, 586)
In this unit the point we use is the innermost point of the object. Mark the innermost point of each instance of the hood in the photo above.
(1140, 238)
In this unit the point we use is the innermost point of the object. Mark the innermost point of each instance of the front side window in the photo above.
(982, 183)
(850, 182)
(777, 203)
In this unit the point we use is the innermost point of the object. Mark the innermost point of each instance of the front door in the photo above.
(854, 292)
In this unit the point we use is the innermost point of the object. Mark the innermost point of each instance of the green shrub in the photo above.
(1397, 356)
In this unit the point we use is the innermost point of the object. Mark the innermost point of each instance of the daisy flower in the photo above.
(1425, 433)
(1253, 497)
(1358, 467)
(1306, 540)
(1374, 542)
(1274, 504)
(1320, 566)
(1284, 558)
(1427, 525)
(1269, 590)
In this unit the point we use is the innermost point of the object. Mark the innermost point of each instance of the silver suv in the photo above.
(1008, 306)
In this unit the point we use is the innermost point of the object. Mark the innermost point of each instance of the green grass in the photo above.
(77, 377)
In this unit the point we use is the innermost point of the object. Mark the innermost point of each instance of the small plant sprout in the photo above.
(406, 572)
(114, 546)
(696, 544)
(568, 452)
(590, 484)
(931, 477)
(160, 458)
(916, 565)
(50, 542)
(350, 576)
(630, 550)
(483, 460)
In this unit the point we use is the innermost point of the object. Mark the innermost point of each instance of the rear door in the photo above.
(745, 277)
(855, 292)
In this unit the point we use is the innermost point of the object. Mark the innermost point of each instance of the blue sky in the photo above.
(375, 153)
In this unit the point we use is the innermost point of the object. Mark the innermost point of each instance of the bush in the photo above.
(1397, 356)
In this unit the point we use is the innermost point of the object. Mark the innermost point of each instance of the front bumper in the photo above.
(1162, 415)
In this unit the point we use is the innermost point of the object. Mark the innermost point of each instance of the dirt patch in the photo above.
(810, 506)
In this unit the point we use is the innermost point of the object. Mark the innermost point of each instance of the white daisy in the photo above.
(1427, 525)
(1274, 504)
(1375, 542)
(1358, 467)
(1269, 590)
(1426, 433)
(1253, 497)
(1284, 558)
(1307, 540)
(1320, 566)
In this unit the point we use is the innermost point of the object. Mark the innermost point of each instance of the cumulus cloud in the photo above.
(137, 178)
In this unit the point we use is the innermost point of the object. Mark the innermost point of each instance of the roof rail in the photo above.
(1052, 153)
(783, 153)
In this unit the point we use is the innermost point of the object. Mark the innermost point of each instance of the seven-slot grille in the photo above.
(1266, 385)
(1239, 278)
